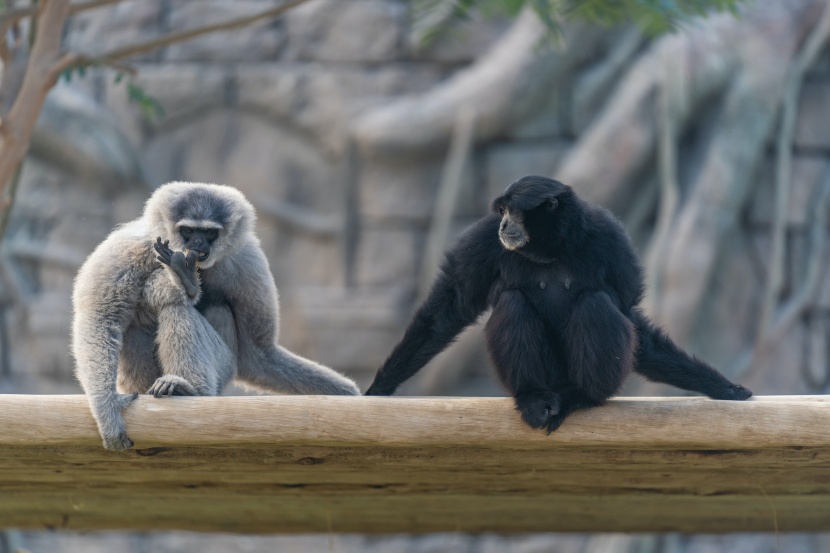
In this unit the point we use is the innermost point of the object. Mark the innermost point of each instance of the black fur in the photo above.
(564, 330)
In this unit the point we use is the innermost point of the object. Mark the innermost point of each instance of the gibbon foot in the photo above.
(735, 392)
(172, 385)
(540, 409)
(556, 421)
(184, 267)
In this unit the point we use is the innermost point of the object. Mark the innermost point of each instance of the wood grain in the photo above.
(379, 465)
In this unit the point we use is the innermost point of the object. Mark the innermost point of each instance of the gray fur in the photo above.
(138, 329)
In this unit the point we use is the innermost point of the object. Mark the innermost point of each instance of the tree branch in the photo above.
(505, 84)
(7, 201)
(670, 104)
(300, 218)
(18, 125)
(803, 297)
(13, 15)
(626, 130)
(109, 58)
(815, 42)
(81, 60)
(768, 43)
(448, 368)
(788, 314)
(452, 179)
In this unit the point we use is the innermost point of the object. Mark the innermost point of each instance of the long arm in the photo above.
(457, 299)
(104, 301)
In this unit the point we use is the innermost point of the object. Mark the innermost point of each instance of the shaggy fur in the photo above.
(563, 283)
(136, 328)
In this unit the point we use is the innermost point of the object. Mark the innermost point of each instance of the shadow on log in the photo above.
(415, 465)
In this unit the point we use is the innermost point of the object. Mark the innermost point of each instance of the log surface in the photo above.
(380, 465)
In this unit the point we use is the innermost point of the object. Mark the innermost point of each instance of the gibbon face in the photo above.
(200, 219)
(527, 209)
(198, 240)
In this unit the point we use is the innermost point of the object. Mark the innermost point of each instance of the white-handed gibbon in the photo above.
(179, 302)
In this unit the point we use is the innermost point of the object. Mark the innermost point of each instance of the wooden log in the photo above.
(380, 465)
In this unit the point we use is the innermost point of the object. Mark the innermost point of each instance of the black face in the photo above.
(198, 240)
(532, 218)
(519, 218)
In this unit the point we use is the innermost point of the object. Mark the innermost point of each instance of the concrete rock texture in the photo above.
(266, 109)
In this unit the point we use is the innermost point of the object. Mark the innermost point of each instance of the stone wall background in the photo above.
(265, 109)
(262, 109)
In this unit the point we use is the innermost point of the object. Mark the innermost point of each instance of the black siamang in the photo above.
(563, 282)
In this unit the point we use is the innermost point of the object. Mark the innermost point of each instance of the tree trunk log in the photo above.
(17, 127)
(380, 465)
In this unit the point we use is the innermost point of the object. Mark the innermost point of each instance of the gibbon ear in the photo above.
(551, 203)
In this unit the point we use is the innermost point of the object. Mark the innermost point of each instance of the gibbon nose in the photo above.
(503, 224)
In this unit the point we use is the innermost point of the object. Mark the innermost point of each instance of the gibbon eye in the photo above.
(211, 234)
(185, 231)
(552, 203)
(501, 210)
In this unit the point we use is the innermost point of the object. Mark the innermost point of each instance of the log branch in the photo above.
(417, 465)
(777, 319)
(18, 125)
(506, 85)
(108, 58)
(449, 190)
(300, 218)
(787, 314)
(626, 132)
(13, 15)
(720, 189)
(670, 106)
(783, 173)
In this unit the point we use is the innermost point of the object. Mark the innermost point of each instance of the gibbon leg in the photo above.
(220, 318)
(521, 351)
(138, 366)
(660, 360)
(600, 348)
(570, 399)
(273, 367)
(195, 360)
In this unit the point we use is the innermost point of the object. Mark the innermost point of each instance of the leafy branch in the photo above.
(434, 17)
(24, 85)
(70, 59)
(150, 107)
(12, 14)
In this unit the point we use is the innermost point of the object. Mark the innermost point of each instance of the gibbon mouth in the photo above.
(199, 255)
(513, 241)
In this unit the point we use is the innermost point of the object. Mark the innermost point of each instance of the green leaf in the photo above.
(434, 17)
(149, 106)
